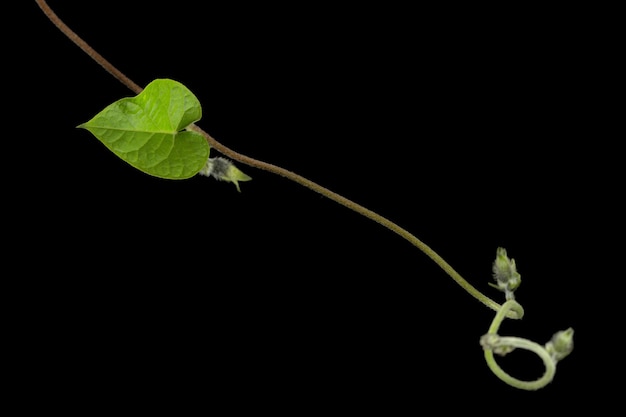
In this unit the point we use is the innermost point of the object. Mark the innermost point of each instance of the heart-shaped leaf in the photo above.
(147, 130)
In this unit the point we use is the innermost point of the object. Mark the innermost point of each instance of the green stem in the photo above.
(493, 343)
(503, 311)
(281, 171)
(359, 209)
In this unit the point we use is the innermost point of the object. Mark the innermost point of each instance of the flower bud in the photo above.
(561, 344)
(505, 273)
(224, 170)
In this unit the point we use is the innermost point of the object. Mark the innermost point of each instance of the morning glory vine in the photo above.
(156, 132)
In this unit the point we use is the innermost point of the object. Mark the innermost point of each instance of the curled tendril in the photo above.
(556, 349)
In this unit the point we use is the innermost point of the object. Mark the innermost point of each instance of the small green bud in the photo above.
(561, 344)
(491, 341)
(223, 169)
(505, 273)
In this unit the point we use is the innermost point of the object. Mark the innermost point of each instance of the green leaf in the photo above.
(147, 130)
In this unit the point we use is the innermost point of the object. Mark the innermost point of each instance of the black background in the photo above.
(464, 126)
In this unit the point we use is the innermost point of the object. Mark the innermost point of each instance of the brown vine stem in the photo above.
(278, 170)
